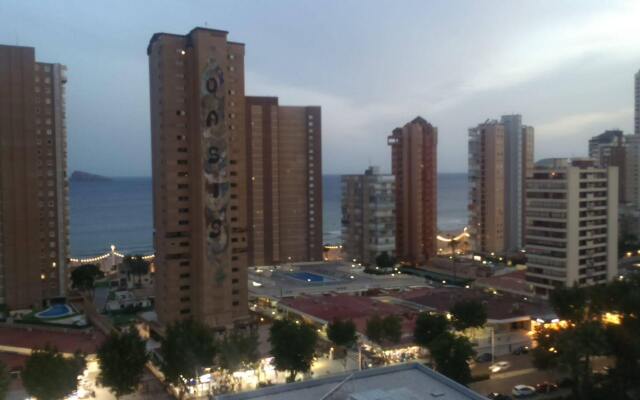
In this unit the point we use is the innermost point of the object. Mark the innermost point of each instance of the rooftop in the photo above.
(500, 306)
(398, 382)
(66, 341)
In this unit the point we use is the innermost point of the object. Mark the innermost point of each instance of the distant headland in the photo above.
(81, 176)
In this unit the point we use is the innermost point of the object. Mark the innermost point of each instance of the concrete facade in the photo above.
(637, 104)
(608, 149)
(199, 177)
(284, 182)
(518, 160)
(486, 188)
(34, 236)
(368, 216)
(571, 225)
(415, 166)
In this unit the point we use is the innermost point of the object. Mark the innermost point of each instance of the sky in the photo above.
(372, 65)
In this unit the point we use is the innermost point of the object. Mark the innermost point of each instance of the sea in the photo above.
(119, 212)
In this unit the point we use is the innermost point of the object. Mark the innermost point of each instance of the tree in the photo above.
(628, 243)
(384, 329)
(238, 350)
(570, 303)
(48, 375)
(4, 380)
(293, 346)
(451, 355)
(342, 333)
(188, 346)
(136, 265)
(84, 277)
(385, 261)
(468, 314)
(428, 327)
(122, 361)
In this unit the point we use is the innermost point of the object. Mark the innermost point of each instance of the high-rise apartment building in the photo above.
(34, 234)
(632, 171)
(571, 224)
(368, 216)
(284, 182)
(637, 104)
(199, 177)
(415, 167)
(608, 149)
(486, 187)
(518, 160)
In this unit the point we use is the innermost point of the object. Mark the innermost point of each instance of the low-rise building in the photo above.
(399, 382)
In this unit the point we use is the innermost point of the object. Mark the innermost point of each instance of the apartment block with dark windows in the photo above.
(368, 216)
(284, 182)
(199, 177)
(34, 235)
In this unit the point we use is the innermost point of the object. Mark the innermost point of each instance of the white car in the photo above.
(499, 366)
(523, 391)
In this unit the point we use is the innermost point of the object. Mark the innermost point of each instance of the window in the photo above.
(185, 287)
(185, 311)
(185, 275)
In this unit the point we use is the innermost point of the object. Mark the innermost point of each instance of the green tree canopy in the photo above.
(342, 333)
(187, 347)
(237, 350)
(384, 329)
(384, 260)
(293, 346)
(4, 380)
(48, 375)
(569, 303)
(468, 314)
(122, 361)
(84, 276)
(428, 327)
(451, 355)
(136, 265)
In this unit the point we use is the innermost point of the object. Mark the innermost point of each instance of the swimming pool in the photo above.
(55, 311)
(307, 277)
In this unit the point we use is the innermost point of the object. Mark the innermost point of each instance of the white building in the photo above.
(571, 224)
(368, 215)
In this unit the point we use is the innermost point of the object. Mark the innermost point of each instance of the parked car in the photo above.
(520, 391)
(499, 366)
(498, 396)
(546, 387)
(484, 357)
(521, 350)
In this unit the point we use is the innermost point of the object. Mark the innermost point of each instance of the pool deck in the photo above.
(338, 278)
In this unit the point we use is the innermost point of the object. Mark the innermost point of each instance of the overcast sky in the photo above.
(566, 66)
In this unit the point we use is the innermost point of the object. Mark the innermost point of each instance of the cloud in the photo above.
(583, 123)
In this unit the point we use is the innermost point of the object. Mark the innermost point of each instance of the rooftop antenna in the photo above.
(206, 25)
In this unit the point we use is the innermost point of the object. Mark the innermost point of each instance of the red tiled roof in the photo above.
(514, 282)
(499, 307)
(343, 306)
(66, 342)
(356, 308)
(13, 361)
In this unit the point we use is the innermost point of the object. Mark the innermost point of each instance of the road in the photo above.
(521, 372)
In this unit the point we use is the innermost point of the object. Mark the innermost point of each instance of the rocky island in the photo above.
(81, 176)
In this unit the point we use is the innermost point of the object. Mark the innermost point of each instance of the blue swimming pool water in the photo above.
(55, 311)
(307, 276)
